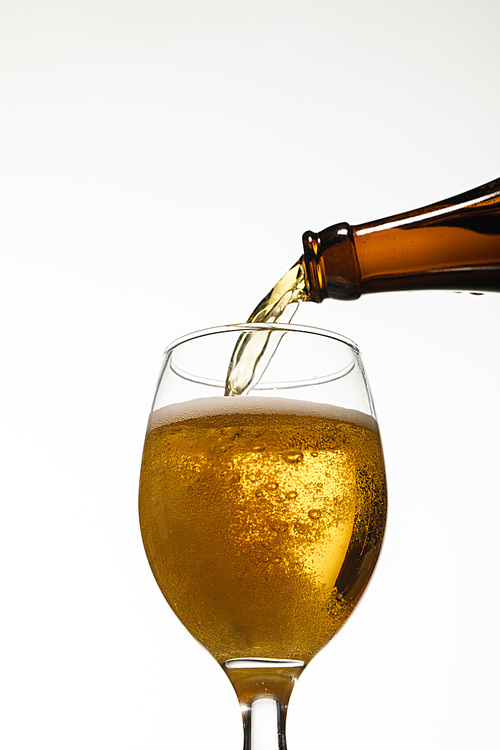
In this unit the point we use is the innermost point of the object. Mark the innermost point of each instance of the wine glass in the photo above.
(263, 514)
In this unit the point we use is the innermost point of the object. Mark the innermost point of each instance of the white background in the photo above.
(159, 162)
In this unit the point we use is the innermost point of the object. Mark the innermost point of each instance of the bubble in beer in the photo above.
(314, 514)
(300, 528)
(293, 456)
(271, 486)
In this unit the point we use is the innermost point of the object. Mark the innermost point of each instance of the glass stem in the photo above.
(263, 687)
(264, 724)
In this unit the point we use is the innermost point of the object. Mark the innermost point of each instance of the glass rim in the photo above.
(271, 327)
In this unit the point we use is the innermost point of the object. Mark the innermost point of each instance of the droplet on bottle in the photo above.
(314, 514)
(291, 495)
(293, 456)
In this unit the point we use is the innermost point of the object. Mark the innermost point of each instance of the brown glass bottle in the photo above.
(452, 245)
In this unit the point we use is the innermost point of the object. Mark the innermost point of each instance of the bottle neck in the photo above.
(454, 244)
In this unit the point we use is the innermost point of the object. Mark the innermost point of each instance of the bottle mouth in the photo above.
(331, 264)
(314, 276)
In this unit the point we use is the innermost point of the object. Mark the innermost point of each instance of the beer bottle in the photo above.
(454, 244)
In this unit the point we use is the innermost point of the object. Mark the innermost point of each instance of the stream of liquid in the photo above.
(253, 352)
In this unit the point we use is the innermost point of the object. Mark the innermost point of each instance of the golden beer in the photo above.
(262, 519)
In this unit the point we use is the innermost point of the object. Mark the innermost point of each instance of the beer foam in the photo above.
(223, 405)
